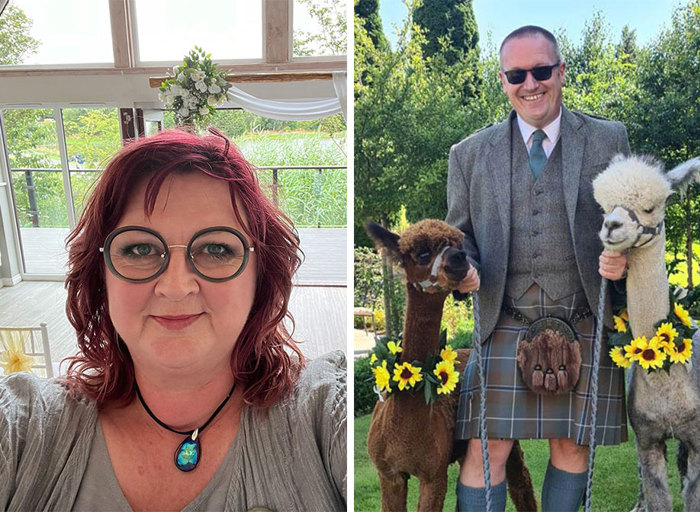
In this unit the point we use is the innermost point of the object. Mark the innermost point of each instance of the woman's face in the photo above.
(180, 321)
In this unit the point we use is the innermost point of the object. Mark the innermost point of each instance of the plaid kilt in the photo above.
(515, 412)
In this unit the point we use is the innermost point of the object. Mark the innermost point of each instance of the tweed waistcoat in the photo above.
(541, 249)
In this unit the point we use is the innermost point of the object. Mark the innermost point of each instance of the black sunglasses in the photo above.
(540, 73)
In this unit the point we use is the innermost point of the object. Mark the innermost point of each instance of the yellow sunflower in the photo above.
(682, 315)
(652, 355)
(619, 358)
(445, 371)
(406, 375)
(373, 359)
(680, 352)
(633, 349)
(394, 348)
(381, 377)
(666, 333)
(448, 354)
(620, 325)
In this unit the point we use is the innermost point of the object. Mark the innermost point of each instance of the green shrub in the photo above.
(365, 397)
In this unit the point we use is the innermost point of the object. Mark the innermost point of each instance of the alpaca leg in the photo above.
(639, 507)
(654, 477)
(394, 488)
(682, 463)
(431, 495)
(691, 490)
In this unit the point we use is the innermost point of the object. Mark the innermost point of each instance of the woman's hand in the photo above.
(470, 282)
(612, 265)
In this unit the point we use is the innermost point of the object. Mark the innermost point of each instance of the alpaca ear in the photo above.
(682, 176)
(384, 240)
(618, 158)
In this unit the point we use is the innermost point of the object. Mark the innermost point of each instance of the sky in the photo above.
(499, 17)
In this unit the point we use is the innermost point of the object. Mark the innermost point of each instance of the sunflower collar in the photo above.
(672, 343)
(436, 375)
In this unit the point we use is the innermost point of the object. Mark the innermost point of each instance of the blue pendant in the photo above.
(188, 453)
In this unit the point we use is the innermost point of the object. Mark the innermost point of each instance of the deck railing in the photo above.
(311, 195)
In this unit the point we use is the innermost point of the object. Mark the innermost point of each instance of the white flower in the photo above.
(197, 75)
(192, 103)
(201, 86)
(203, 111)
(185, 94)
(214, 89)
(181, 77)
(212, 100)
(183, 112)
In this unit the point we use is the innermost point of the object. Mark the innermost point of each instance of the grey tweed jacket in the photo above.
(479, 201)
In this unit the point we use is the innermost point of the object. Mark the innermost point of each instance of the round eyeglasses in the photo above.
(138, 255)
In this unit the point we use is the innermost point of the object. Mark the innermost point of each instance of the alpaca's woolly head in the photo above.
(632, 192)
(418, 248)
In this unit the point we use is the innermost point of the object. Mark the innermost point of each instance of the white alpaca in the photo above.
(633, 192)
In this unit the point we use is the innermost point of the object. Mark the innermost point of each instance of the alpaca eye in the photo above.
(423, 258)
(649, 210)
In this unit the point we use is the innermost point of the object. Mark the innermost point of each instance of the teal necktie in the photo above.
(538, 158)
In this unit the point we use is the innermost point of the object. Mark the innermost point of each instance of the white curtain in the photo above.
(295, 110)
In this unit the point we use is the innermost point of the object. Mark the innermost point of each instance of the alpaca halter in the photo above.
(645, 230)
(430, 284)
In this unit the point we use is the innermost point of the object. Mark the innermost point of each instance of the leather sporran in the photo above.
(550, 357)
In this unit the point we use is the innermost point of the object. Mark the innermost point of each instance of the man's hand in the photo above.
(470, 282)
(612, 265)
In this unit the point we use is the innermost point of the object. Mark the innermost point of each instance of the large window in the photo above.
(228, 29)
(320, 27)
(41, 32)
(55, 157)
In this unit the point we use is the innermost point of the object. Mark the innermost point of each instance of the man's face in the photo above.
(536, 102)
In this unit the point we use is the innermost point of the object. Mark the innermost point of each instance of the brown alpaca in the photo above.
(407, 436)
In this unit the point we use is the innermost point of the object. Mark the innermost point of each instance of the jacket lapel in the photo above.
(498, 164)
(573, 144)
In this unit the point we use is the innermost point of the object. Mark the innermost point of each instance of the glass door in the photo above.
(55, 156)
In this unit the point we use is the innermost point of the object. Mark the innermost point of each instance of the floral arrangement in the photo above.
(195, 90)
(672, 343)
(436, 375)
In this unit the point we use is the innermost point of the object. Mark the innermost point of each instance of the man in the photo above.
(521, 192)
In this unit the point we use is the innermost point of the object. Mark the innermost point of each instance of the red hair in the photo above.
(265, 359)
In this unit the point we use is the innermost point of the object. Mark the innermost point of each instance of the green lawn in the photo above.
(614, 486)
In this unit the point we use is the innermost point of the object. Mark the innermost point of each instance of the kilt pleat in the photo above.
(515, 412)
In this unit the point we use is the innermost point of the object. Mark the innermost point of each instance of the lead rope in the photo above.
(594, 389)
(476, 343)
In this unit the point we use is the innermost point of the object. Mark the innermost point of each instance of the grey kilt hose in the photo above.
(515, 412)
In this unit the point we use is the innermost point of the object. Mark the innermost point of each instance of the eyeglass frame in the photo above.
(532, 71)
(166, 255)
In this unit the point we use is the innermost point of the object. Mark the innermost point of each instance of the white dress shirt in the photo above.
(552, 130)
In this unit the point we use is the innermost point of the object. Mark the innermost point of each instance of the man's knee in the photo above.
(566, 455)
(499, 449)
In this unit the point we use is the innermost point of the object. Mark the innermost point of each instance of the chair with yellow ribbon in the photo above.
(25, 349)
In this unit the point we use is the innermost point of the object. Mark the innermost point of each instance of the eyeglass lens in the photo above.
(140, 255)
(540, 73)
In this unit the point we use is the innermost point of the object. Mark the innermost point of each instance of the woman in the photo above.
(188, 392)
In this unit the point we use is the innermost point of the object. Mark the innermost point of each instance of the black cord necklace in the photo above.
(189, 453)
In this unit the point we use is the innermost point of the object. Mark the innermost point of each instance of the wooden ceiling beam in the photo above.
(155, 82)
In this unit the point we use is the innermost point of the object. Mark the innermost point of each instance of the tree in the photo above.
(449, 27)
(15, 42)
(627, 49)
(330, 16)
(368, 12)
(408, 112)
